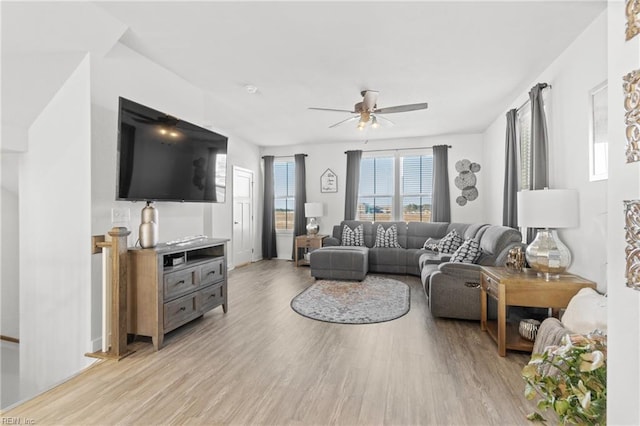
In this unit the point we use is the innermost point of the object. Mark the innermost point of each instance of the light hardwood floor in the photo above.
(262, 363)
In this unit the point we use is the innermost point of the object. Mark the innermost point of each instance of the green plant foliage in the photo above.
(571, 380)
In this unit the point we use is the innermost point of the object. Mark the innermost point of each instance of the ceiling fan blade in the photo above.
(401, 108)
(369, 99)
(345, 121)
(332, 109)
(385, 120)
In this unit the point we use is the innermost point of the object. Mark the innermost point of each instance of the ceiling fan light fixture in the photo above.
(374, 122)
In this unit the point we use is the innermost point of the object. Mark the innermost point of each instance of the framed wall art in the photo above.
(632, 236)
(631, 86)
(632, 12)
(328, 181)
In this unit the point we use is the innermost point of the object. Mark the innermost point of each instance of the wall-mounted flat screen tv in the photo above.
(163, 158)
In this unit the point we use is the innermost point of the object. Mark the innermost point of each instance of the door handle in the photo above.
(236, 223)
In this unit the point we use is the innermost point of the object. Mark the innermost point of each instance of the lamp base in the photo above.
(312, 226)
(547, 255)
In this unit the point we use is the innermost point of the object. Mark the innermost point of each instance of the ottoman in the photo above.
(340, 262)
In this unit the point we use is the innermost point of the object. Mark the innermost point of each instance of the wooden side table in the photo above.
(510, 288)
(307, 242)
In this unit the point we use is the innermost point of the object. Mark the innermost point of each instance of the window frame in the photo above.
(397, 197)
(289, 161)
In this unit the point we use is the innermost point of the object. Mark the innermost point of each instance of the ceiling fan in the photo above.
(367, 110)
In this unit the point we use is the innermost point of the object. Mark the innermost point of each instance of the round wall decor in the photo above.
(466, 181)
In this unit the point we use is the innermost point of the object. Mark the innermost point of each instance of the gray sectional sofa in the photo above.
(452, 288)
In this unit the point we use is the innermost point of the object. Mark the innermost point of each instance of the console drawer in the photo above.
(490, 286)
(180, 311)
(212, 272)
(180, 282)
(210, 297)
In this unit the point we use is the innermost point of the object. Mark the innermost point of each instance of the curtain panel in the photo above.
(269, 250)
(441, 205)
(299, 219)
(510, 203)
(351, 186)
(539, 161)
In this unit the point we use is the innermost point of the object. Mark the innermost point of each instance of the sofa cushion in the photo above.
(468, 252)
(450, 242)
(387, 237)
(493, 243)
(419, 232)
(353, 237)
(401, 228)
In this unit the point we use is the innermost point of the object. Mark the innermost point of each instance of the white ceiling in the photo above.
(468, 60)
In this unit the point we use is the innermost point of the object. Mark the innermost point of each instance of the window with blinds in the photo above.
(376, 189)
(284, 191)
(396, 188)
(524, 136)
(417, 188)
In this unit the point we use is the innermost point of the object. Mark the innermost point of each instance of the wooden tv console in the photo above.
(172, 284)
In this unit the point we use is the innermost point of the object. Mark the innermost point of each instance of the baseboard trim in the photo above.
(9, 339)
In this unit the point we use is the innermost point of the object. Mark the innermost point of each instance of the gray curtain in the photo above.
(510, 204)
(539, 156)
(268, 214)
(299, 219)
(352, 182)
(441, 206)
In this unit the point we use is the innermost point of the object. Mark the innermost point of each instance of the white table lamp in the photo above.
(313, 211)
(548, 209)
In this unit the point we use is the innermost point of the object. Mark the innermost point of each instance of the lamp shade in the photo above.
(548, 208)
(312, 209)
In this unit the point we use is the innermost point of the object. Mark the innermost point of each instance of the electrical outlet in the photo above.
(121, 215)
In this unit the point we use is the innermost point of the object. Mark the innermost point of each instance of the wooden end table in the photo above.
(510, 288)
(307, 242)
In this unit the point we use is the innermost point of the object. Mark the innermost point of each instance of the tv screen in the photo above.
(163, 158)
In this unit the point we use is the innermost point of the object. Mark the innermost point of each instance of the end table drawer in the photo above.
(490, 286)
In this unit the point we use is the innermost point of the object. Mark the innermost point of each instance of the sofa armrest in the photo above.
(330, 242)
(467, 272)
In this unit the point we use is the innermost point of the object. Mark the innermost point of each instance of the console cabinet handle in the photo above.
(179, 282)
(182, 308)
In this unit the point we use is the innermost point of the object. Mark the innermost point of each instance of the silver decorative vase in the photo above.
(312, 226)
(148, 232)
(547, 255)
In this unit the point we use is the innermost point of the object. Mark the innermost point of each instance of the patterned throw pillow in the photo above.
(431, 244)
(468, 252)
(353, 237)
(388, 238)
(450, 242)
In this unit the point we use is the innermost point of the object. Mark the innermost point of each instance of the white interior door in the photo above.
(242, 216)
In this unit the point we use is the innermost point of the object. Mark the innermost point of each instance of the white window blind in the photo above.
(524, 139)
(417, 188)
(396, 188)
(284, 191)
(376, 190)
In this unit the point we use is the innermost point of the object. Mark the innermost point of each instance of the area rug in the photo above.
(375, 299)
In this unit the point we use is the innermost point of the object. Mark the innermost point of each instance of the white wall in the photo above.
(9, 263)
(321, 157)
(581, 67)
(55, 212)
(624, 184)
(124, 72)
